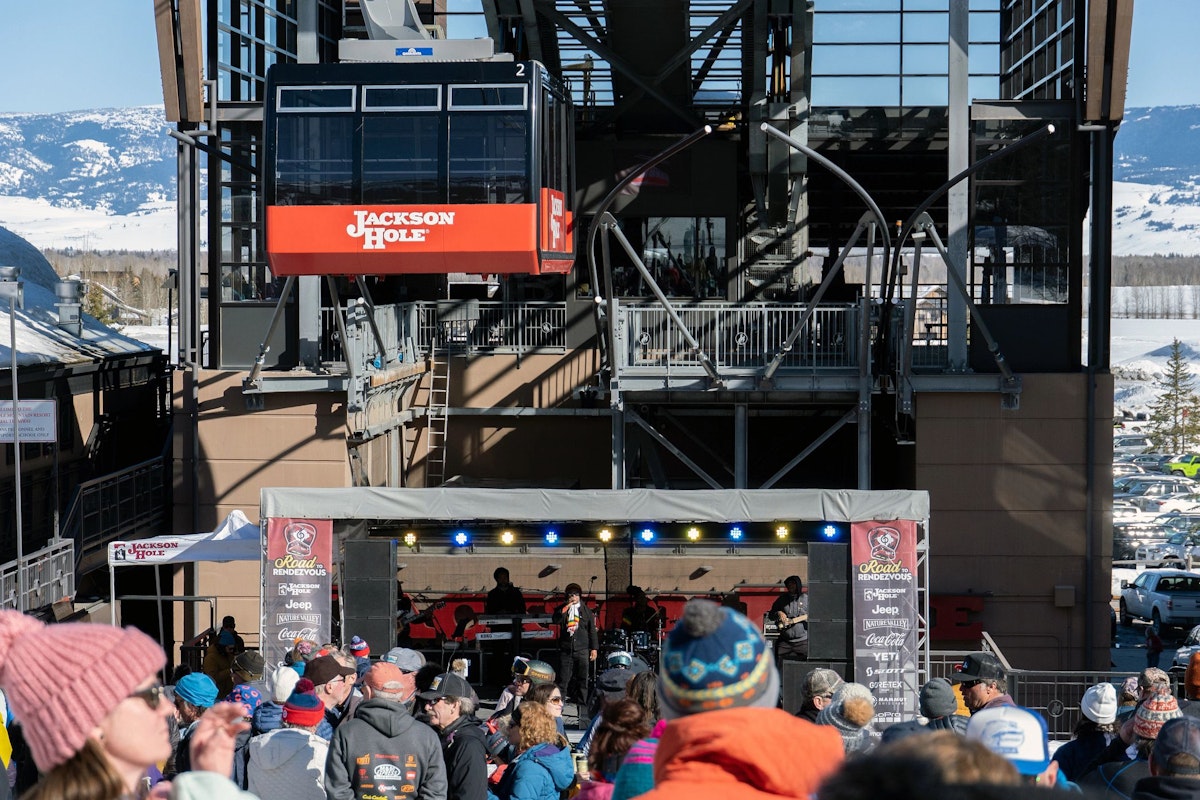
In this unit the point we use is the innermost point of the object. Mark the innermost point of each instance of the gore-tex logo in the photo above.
(378, 228)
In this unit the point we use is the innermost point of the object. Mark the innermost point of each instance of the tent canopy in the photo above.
(235, 539)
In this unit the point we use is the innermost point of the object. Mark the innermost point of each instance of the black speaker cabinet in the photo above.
(829, 639)
(828, 562)
(829, 600)
(794, 675)
(368, 593)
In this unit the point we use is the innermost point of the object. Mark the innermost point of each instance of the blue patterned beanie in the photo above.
(713, 659)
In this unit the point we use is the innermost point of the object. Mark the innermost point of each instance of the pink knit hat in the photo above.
(62, 680)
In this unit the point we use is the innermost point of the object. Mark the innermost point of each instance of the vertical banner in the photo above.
(883, 574)
(297, 597)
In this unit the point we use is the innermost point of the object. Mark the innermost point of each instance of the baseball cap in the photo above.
(821, 682)
(1016, 733)
(978, 667)
(1177, 748)
(404, 658)
(446, 685)
(322, 669)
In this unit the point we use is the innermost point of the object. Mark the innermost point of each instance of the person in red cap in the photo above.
(95, 733)
(983, 682)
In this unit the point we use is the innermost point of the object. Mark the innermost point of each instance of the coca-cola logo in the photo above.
(885, 639)
(290, 635)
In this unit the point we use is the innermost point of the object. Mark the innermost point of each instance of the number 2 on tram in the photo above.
(398, 168)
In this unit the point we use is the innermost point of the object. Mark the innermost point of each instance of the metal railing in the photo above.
(131, 501)
(49, 577)
(500, 327)
(740, 336)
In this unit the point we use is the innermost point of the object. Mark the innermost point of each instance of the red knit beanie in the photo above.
(62, 680)
(303, 707)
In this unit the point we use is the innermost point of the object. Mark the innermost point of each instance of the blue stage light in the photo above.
(551, 537)
(647, 535)
(462, 539)
(830, 531)
(736, 533)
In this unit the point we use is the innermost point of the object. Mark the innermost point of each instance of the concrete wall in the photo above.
(1009, 519)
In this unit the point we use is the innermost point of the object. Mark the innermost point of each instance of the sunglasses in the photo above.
(151, 696)
(556, 699)
(970, 684)
(521, 679)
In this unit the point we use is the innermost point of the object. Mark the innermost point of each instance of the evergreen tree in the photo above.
(1175, 413)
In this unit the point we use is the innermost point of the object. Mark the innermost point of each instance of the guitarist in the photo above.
(406, 615)
(790, 615)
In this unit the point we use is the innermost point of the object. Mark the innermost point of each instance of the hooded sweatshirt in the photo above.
(540, 773)
(1164, 787)
(287, 762)
(380, 752)
(743, 754)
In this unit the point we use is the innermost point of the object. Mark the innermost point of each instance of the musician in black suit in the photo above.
(505, 598)
(578, 642)
(789, 612)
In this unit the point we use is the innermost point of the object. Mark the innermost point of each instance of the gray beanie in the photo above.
(938, 699)
(851, 712)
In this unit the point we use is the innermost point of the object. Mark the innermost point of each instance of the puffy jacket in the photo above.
(542, 772)
(382, 754)
(465, 755)
(952, 722)
(287, 762)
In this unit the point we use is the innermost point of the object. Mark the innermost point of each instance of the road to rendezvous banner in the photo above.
(298, 584)
(883, 575)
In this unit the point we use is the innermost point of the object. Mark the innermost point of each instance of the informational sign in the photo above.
(297, 595)
(883, 557)
(38, 420)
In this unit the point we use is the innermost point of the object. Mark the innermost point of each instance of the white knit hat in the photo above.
(1100, 703)
(281, 682)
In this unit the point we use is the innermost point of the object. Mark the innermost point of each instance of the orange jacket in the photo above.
(743, 754)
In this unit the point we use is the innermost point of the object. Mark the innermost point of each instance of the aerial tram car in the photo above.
(418, 167)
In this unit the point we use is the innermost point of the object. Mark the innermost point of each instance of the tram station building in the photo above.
(885, 291)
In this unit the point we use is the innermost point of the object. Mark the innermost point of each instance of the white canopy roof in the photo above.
(235, 539)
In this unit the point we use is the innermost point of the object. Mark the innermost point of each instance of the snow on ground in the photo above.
(46, 226)
(1140, 351)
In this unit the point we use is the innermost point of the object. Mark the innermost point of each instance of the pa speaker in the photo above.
(795, 673)
(829, 639)
(368, 592)
(829, 600)
(828, 562)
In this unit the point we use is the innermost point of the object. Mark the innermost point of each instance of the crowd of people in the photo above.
(89, 720)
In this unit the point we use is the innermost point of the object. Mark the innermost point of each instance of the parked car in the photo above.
(1165, 597)
(1185, 465)
(1174, 551)
(1184, 654)
(1125, 512)
(1151, 461)
(1125, 468)
(1131, 443)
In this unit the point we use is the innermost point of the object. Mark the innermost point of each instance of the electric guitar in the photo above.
(405, 618)
(783, 624)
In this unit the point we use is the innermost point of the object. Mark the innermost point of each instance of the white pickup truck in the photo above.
(1165, 597)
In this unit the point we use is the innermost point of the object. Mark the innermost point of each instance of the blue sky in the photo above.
(75, 54)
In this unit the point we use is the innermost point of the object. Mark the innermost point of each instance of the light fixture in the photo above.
(410, 539)
(551, 537)
(735, 533)
(461, 538)
(829, 530)
(693, 534)
(781, 532)
(606, 535)
(647, 535)
(508, 537)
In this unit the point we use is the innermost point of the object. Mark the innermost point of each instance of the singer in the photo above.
(578, 643)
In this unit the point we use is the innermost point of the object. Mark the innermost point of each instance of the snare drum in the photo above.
(643, 640)
(614, 640)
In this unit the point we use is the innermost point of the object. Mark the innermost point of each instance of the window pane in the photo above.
(488, 158)
(851, 28)
(398, 97)
(329, 97)
(925, 91)
(400, 159)
(314, 162)
(474, 96)
(926, 59)
(844, 92)
(857, 60)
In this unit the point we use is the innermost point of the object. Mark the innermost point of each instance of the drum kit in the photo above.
(645, 645)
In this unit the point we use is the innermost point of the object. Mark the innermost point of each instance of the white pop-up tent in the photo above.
(235, 539)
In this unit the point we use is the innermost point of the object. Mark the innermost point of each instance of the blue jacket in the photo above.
(542, 772)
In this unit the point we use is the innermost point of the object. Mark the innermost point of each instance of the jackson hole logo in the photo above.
(884, 541)
(300, 538)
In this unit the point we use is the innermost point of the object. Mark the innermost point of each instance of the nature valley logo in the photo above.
(377, 229)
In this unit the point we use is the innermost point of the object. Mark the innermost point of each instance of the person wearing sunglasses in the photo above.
(543, 768)
(452, 714)
(983, 682)
(527, 673)
(96, 733)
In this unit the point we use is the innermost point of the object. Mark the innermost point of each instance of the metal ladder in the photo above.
(437, 416)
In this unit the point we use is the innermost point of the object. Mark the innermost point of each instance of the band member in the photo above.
(790, 615)
(578, 642)
(505, 598)
(640, 616)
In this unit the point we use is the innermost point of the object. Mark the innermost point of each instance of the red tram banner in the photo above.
(396, 239)
(883, 576)
(298, 577)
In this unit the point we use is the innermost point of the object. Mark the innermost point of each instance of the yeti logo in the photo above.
(884, 541)
(300, 538)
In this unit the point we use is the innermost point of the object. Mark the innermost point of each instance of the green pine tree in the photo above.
(1175, 413)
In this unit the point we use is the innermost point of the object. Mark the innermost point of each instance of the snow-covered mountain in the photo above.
(105, 180)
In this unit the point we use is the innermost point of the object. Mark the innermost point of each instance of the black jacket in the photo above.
(465, 752)
(1115, 779)
(586, 638)
(1161, 787)
(381, 751)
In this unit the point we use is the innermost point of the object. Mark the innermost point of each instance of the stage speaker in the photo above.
(829, 600)
(368, 593)
(828, 562)
(829, 639)
(794, 675)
